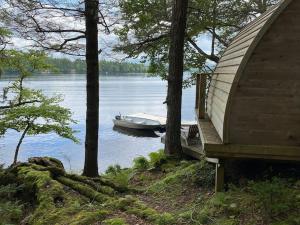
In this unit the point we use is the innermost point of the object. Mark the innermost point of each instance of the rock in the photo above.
(47, 162)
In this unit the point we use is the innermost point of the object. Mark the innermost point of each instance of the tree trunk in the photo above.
(20, 142)
(176, 52)
(92, 112)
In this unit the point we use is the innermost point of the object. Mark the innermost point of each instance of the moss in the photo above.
(61, 197)
(99, 186)
(181, 176)
(86, 217)
(11, 212)
(115, 221)
(83, 189)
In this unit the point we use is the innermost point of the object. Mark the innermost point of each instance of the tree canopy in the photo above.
(146, 28)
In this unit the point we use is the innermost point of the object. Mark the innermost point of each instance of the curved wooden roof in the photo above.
(231, 67)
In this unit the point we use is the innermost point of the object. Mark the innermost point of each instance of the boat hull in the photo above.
(126, 124)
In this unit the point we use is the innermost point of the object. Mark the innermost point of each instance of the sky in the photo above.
(106, 41)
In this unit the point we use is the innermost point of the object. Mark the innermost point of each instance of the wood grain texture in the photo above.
(231, 66)
(253, 103)
(265, 106)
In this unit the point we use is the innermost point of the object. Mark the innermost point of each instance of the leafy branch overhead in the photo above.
(43, 116)
(211, 25)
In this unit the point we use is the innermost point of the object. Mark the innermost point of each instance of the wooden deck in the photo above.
(208, 133)
(214, 148)
(194, 149)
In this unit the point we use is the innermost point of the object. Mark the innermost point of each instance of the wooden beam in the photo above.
(197, 91)
(291, 153)
(219, 179)
(202, 96)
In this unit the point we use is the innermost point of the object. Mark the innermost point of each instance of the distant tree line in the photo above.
(64, 65)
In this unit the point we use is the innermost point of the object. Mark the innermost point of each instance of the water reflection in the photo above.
(135, 133)
(125, 94)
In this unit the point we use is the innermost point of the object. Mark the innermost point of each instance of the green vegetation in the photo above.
(177, 192)
(78, 66)
(216, 22)
(29, 111)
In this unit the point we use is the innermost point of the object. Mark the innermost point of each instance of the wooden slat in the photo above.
(235, 54)
(248, 37)
(221, 85)
(202, 96)
(227, 69)
(223, 96)
(208, 132)
(215, 100)
(245, 44)
(227, 78)
(231, 62)
(217, 120)
(252, 151)
(258, 21)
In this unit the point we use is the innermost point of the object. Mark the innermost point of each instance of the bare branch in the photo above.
(211, 57)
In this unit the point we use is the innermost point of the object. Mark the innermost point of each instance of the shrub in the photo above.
(113, 169)
(157, 158)
(204, 174)
(274, 197)
(119, 176)
(10, 212)
(141, 163)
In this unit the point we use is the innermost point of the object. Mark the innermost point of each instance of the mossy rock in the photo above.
(46, 162)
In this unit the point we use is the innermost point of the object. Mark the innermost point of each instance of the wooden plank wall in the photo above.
(265, 108)
(227, 68)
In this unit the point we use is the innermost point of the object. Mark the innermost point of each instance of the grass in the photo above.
(159, 191)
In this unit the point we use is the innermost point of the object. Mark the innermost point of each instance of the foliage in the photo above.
(141, 163)
(24, 63)
(119, 176)
(11, 209)
(30, 111)
(146, 27)
(157, 158)
(186, 173)
(67, 66)
(274, 197)
(114, 221)
(10, 212)
(176, 196)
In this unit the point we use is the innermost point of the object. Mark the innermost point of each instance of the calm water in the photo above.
(125, 94)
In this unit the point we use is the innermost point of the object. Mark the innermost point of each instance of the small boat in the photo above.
(138, 123)
(136, 133)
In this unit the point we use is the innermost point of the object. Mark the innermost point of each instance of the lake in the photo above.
(118, 94)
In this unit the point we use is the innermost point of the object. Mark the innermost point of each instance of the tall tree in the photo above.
(175, 76)
(92, 112)
(62, 26)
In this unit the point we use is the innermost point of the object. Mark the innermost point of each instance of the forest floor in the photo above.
(159, 191)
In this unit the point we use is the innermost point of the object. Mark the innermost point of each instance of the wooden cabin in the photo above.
(252, 108)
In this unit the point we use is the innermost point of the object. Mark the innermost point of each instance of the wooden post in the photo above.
(219, 179)
(202, 95)
(197, 91)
